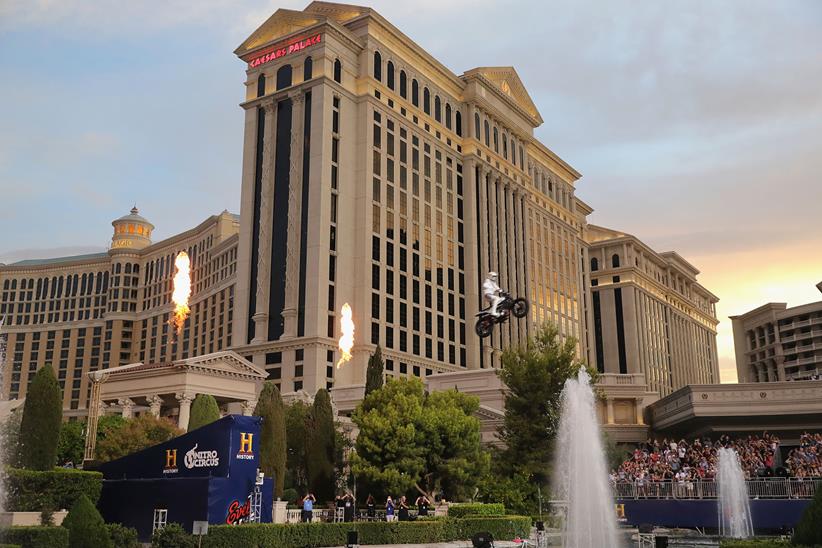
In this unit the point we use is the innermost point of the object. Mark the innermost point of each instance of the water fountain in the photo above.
(581, 477)
(733, 504)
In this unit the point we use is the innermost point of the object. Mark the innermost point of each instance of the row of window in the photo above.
(284, 75)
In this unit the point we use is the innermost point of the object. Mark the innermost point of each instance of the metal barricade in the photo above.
(758, 488)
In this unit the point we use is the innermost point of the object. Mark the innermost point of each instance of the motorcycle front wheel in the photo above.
(520, 308)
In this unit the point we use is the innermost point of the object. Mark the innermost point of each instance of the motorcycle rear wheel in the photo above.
(484, 326)
(520, 308)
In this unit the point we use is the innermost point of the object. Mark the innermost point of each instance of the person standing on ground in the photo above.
(389, 510)
(308, 507)
(371, 508)
(422, 503)
(404, 509)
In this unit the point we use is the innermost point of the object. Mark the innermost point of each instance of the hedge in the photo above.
(36, 537)
(58, 489)
(758, 543)
(122, 536)
(311, 535)
(475, 509)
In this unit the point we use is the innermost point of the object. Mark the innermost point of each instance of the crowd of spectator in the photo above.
(805, 461)
(682, 461)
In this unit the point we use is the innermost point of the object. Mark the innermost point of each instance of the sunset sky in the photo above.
(697, 125)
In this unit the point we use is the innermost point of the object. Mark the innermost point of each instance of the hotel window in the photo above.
(487, 134)
(403, 89)
(426, 101)
(283, 77)
(415, 93)
(458, 123)
(615, 262)
(377, 66)
(308, 69)
(476, 126)
(337, 71)
(437, 109)
(389, 75)
(261, 85)
(496, 141)
(594, 264)
(448, 116)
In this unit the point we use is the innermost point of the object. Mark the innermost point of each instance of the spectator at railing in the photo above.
(684, 462)
(806, 460)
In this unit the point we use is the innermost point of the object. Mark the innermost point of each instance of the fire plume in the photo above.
(347, 337)
(182, 290)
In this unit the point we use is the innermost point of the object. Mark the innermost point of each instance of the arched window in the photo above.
(487, 134)
(437, 109)
(261, 85)
(594, 264)
(513, 151)
(521, 161)
(389, 74)
(284, 77)
(504, 146)
(377, 66)
(447, 115)
(403, 88)
(308, 69)
(615, 261)
(415, 93)
(426, 101)
(496, 140)
(458, 123)
(337, 71)
(476, 127)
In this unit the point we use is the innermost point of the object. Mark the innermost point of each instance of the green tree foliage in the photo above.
(535, 375)
(71, 442)
(172, 536)
(204, 410)
(40, 427)
(134, 435)
(321, 448)
(10, 434)
(272, 435)
(86, 526)
(809, 530)
(373, 375)
(297, 418)
(410, 440)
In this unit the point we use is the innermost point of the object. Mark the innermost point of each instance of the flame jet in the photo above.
(182, 290)
(347, 337)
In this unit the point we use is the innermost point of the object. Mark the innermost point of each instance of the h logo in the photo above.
(246, 442)
(171, 458)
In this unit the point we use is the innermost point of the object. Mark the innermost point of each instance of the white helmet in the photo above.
(492, 275)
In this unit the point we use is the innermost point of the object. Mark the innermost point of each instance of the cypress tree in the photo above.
(321, 448)
(373, 375)
(86, 526)
(204, 410)
(272, 435)
(40, 427)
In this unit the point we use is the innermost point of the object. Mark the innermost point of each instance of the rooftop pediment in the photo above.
(507, 81)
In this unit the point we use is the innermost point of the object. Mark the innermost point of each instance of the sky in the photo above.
(697, 125)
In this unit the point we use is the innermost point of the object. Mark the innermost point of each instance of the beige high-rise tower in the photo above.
(375, 176)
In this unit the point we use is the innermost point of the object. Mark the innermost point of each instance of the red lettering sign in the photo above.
(238, 514)
(276, 53)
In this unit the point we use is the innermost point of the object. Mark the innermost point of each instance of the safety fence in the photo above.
(760, 488)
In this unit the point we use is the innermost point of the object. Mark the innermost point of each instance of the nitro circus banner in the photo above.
(223, 448)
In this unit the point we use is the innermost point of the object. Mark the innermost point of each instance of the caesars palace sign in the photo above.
(278, 52)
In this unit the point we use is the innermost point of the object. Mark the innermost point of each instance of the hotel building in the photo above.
(649, 315)
(777, 343)
(97, 311)
(374, 175)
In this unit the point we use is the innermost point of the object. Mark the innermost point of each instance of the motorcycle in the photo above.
(509, 305)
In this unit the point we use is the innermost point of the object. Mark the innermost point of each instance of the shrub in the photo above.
(204, 411)
(300, 535)
(35, 491)
(42, 416)
(86, 526)
(174, 536)
(10, 546)
(122, 438)
(809, 529)
(757, 543)
(475, 509)
(122, 536)
(36, 537)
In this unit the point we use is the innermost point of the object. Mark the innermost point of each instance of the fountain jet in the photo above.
(734, 506)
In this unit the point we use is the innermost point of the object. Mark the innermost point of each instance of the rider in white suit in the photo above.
(492, 292)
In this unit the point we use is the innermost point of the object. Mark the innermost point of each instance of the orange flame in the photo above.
(347, 337)
(182, 290)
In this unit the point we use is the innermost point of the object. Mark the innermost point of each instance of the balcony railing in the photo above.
(766, 488)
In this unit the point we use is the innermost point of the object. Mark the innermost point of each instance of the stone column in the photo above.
(248, 407)
(610, 407)
(128, 407)
(155, 403)
(266, 222)
(185, 410)
(295, 192)
(639, 419)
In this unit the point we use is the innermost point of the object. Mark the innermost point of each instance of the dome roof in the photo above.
(134, 217)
